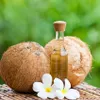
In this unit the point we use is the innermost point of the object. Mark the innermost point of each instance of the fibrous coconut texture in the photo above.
(79, 58)
(23, 64)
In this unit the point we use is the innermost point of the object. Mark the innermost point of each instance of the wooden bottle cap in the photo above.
(60, 26)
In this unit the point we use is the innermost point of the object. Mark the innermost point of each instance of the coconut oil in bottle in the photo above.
(59, 56)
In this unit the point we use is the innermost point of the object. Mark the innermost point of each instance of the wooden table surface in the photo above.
(87, 92)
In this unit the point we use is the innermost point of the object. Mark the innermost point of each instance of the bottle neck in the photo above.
(60, 40)
(59, 35)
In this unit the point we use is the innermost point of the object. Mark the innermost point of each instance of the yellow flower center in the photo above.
(64, 91)
(48, 89)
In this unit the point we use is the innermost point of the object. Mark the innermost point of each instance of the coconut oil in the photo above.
(59, 56)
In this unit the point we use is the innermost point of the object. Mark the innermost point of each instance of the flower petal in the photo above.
(47, 80)
(38, 86)
(51, 95)
(58, 83)
(42, 95)
(59, 94)
(72, 94)
(67, 84)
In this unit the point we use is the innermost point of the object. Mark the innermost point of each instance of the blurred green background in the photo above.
(32, 20)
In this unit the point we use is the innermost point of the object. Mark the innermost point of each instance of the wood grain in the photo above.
(87, 92)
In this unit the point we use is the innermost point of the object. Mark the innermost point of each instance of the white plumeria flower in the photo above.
(65, 91)
(44, 89)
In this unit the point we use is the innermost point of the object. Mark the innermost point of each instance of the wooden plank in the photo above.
(87, 92)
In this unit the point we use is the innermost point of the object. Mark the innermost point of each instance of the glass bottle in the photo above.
(59, 56)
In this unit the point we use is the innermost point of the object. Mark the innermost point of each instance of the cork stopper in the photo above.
(60, 26)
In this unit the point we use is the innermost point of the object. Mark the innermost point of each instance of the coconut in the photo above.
(79, 58)
(23, 64)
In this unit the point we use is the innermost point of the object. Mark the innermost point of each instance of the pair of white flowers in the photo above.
(58, 89)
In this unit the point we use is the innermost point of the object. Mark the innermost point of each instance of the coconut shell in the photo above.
(79, 58)
(23, 64)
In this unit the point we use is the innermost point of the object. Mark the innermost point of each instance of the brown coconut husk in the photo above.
(23, 64)
(79, 58)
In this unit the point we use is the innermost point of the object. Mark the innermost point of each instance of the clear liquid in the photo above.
(59, 65)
